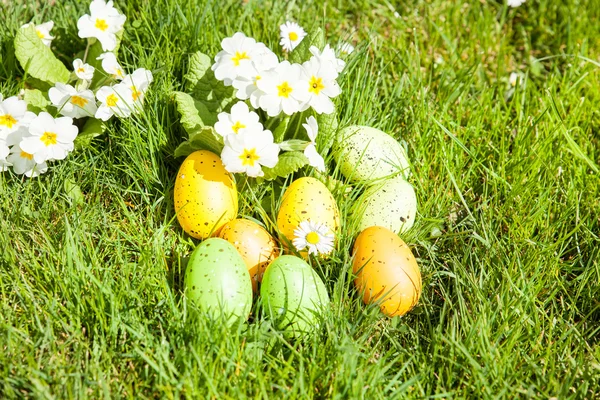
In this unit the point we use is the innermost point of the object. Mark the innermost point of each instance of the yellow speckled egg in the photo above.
(386, 271)
(205, 194)
(256, 246)
(307, 199)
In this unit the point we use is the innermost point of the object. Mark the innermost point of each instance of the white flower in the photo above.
(103, 24)
(515, 3)
(138, 82)
(12, 111)
(248, 151)
(72, 103)
(111, 66)
(240, 120)
(83, 71)
(50, 139)
(283, 90)
(314, 236)
(246, 85)
(43, 31)
(236, 57)
(23, 163)
(321, 84)
(16, 136)
(328, 56)
(291, 35)
(345, 48)
(513, 79)
(314, 158)
(116, 100)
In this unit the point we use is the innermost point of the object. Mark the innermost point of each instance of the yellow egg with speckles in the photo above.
(205, 194)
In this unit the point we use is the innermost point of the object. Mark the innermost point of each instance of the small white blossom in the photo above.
(345, 48)
(240, 120)
(50, 138)
(314, 236)
(83, 71)
(72, 103)
(291, 35)
(43, 31)
(322, 85)
(111, 66)
(138, 82)
(246, 85)
(116, 100)
(236, 57)
(314, 158)
(103, 24)
(327, 56)
(515, 3)
(283, 90)
(23, 163)
(247, 152)
(12, 111)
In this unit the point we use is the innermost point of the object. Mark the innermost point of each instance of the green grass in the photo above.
(91, 291)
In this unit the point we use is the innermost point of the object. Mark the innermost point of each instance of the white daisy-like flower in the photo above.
(322, 85)
(23, 163)
(116, 100)
(12, 111)
(291, 35)
(345, 48)
(238, 121)
(513, 79)
(236, 57)
(43, 31)
(515, 3)
(111, 66)
(283, 89)
(103, 24)
(248, 151)
(50, 138)
(328, 56)
(138, 82)
(316, 237)
(72, 103)
(82, 70)
(314, 158)
(246, 85)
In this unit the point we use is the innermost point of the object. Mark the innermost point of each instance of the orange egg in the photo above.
(254, 243)
(386, 271)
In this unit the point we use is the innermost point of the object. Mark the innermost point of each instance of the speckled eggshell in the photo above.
(293, 295)
(256, 246)
(205, 194)
(217, 280)
(364, 153)
(386, 271)
(391, 204)
(307, 199)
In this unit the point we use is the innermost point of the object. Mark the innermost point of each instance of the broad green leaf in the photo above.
(202, 139)
(92, 128)
(279, 132)
(35, 99)
(302, 52)
(328, 126)
(73, 192)
(193, 112)
(204, 87)
(288, 163)
(37, 59)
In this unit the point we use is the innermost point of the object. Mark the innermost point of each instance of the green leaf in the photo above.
(302, 52)
(73, 192)
(193, 112)
(328, 126)
(279, 132)
(203, 85)
(37, 59)
(202, 139)
(35, 99)
(92, 128)
(289, 163)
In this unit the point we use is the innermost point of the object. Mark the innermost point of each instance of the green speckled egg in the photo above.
(293, 295)
(391, 204)
(364, 153)
(217, 280)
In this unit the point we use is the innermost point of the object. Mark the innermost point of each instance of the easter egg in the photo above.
(256, 246)
(293, 295)
(307, 199)
(391, 204)
(364, 153)
(205, 194)
(218, 282)
(386, 271)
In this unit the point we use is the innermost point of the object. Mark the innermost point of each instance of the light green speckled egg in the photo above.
(391, 204)
(364, 153)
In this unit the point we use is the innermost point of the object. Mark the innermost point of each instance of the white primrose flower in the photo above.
(50, 138)
(291, 35)
(83, 71)
(111, 66)
(314, 158)
(345, 48)
(246, 85)
(314, 236)
(322, 85)
(43, 31)
(138, 82)
(116, 100)
(236, 57)
(328, 56)
(72, 103)
(23, 163)
(12, 111)
(515, 3)
(103, 24)
(248, 151)
(283, 90)
(240, 120)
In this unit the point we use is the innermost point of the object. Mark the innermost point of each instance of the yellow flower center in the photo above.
(238, 126)
(119, 72)
(48, 138)
(80, 70)
(315, 85)
(26, 155)
(293, 36)
(313, 238)
(78, 101)
(249, 157)
(256, 78)
(239, 57)
(101, 24)
(112, 100)
(40, 34)
(284, 90)
(7, 120)
(135, 93)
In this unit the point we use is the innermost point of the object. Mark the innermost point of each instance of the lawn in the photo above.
(507, 176)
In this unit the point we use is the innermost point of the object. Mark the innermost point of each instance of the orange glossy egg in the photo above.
(256, 246)
(386, 271)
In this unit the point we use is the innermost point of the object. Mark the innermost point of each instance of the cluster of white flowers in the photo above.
(275, 86)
